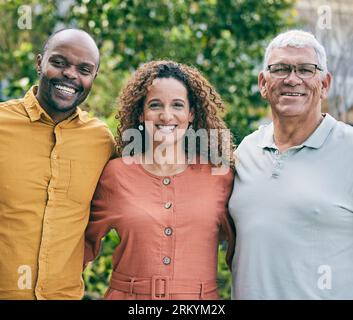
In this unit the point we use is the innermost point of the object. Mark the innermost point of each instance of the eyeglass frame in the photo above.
(293, 67)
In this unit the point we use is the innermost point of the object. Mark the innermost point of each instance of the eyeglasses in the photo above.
(302, 70)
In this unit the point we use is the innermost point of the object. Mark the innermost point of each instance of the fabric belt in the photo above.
(160, 287)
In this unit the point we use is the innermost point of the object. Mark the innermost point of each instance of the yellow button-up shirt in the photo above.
(48, 174)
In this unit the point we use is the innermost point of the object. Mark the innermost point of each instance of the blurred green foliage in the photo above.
(225, 39)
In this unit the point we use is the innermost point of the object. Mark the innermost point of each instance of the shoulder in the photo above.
(254, 139)
(11, 105)
(94, 123)
(343, 132)
(117, 172)
(110, 174)
(120, 165)
(97, 130)
(218, 175)
(112, 165)
(340, 138)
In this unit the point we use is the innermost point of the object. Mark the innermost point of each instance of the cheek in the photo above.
(184, 119)
(52, 72)
(272, 90)
(87, 83)
(147, 116)
(44, 83)
(315, 88)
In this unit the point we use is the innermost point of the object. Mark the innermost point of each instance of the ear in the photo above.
(141, 118)
(39, 60)
(95, 76)
(261, 81)
(325, 85)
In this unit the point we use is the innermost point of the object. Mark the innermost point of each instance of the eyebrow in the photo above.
(158, 100)
(179, 100)
(292, 63)
(86, 64)
(153, 100)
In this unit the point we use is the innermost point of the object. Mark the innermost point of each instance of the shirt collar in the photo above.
(35, 111)
(266, 138)
(315, 140)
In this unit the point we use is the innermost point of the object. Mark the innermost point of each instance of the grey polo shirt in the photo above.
(293, 213)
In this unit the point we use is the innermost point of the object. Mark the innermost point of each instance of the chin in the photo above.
(291, 111)
(63, 107)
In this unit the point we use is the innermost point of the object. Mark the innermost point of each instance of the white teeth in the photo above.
(65, 89)
(292, 94)
(165, 129)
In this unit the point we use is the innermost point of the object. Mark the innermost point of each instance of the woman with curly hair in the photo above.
(169, 213)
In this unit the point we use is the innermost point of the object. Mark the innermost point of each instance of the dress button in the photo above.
(166, 181)
(168, 231)
(166, 260)
(168, 205)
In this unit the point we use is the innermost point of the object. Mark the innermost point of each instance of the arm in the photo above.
(227, 231)
(101, 215)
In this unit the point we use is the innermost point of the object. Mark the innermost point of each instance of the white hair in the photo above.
(297, 39)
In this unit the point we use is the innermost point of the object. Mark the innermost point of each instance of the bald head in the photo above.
(77, 36)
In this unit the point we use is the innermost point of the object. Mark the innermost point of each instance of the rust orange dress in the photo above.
(169, 229)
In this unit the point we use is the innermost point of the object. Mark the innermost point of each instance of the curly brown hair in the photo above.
(204, 100)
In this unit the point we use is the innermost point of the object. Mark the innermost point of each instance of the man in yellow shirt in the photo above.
(51, 156)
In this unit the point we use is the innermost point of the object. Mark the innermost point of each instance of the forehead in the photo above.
(167, 87)
(76, 47)
(293, 55)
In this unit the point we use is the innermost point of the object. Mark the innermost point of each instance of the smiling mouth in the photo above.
(292, 94)
(166, 129)
(66, 90)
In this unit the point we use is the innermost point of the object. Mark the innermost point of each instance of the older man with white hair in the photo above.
(292, 203)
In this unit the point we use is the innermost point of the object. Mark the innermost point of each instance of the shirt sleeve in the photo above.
(113, 147)
(227, 231)
(101, 215)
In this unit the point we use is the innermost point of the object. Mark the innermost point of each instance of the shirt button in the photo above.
(276, 152)
(168, 231)
(55, 156)
(168, 205)
(166, 260)
(166, 181)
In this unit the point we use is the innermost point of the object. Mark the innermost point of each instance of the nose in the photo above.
(70, 72)
(166, 115)
(293, 79)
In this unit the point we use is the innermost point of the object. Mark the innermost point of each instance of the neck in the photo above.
(293, 131)
(166, 161)
(55, 116)
(58, 117)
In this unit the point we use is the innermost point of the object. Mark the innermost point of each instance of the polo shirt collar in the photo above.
(315, 140)
(266, 139)
(35, 111)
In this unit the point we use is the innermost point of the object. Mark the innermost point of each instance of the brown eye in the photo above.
(58, 63)
(85, 71)
(154, 105)
(306, 70)
(279, 68)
